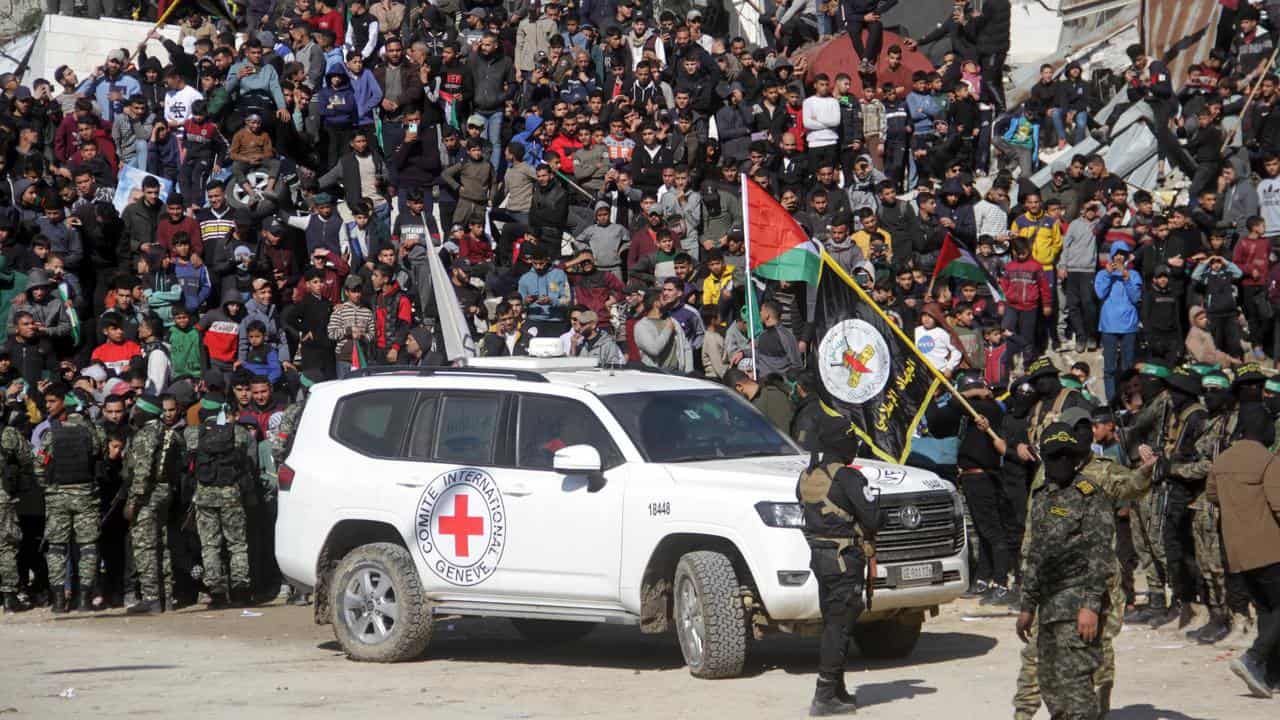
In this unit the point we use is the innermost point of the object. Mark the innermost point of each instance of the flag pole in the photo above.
(862, 295)
(746, 240)
(159, 24)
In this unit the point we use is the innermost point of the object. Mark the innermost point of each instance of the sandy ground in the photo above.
(280, 665)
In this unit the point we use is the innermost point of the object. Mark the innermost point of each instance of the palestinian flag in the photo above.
(777, 247)
(870, 372)
(358, 360)
(956, 261)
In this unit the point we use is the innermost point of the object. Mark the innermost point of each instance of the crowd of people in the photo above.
(290, 176)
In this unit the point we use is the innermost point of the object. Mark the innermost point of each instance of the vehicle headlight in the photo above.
(782, 515)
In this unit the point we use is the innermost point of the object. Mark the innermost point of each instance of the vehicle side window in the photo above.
(422, 430)
(468, 429)
(548, 423)
(373, 423)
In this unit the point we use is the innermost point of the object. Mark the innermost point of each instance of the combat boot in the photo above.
(825, 703)
(145, 607)
(1186, 613)
(844, 696)
(217, 601)
(1218, 627)
(13, 605)
(59, 605)
(85, 603)
(1161, 614)
(1243, 630)
(1142, 613)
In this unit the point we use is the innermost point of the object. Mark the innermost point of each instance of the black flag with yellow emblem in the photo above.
(869, 371)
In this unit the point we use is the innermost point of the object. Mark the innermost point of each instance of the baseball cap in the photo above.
(117, 55)
(353, 282)
(1058, 439)
(475, 121)
(693, 15)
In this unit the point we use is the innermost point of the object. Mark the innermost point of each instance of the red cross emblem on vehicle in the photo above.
(461, 525)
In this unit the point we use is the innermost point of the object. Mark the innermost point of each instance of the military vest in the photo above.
(70, 455)
(824, 521)
(1043, 416)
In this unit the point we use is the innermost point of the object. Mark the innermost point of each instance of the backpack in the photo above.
(70, 455)
(1219, 294)
(217, 461)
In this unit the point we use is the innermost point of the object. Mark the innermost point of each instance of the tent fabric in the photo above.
(1179, 32)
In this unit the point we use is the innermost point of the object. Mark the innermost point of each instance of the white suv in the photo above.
(561, 495)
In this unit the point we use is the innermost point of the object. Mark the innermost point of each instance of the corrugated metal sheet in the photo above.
(1179, 31)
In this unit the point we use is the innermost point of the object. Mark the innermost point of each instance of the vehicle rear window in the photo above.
(468, 429)
(374, 422)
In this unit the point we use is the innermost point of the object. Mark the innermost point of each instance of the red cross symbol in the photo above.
(461, 526)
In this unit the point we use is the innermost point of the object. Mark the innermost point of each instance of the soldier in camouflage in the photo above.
(1068, 569)
(1144, 525)
(223, 458)
(152, 461)
(65, 464)
(1118, 483)
(16, 473)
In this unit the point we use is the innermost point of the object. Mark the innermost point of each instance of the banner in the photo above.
(870, 371)
(129, 187)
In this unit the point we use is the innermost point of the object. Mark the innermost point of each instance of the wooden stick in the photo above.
(1252, 91)
(160, 22)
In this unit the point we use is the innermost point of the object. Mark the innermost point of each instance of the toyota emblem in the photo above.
(910, 516)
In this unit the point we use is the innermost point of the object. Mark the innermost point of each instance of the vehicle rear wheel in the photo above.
(709, 617)
(380, 613)
(552, 632)
(890, 639)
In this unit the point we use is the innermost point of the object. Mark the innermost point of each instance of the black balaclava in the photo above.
(1060, 468)
(1272, 403)
(1151, 387)
(1216, 401)
(1021, 400)
(1047, 386)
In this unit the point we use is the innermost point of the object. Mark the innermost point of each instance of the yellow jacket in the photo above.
(713, 287)
(1043, 235)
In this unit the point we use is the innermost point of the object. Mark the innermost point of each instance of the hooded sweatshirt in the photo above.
(1200, 343)
(1119, 296)
(222, 330)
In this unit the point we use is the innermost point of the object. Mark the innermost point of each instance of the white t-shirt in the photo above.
(821, 121)
(1269, 204)
(177, 104)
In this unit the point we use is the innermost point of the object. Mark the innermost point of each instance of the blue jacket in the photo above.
(1120, 298)
(264, 362)
(555, 285)
(101, 89)
(923, 110)
(338, 106)
(368, 94)
(1035, 137)
(195, 284)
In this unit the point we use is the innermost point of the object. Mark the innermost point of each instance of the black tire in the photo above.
(552, 632)
(378, 575)
(709, 617)
(891, 639)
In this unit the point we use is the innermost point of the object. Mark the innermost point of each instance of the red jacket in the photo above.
(116, 357)
(1025, 285)
(166, 229)
(565, 147)
(475, 250)
(594, 289)
(334, 274)
(1253, 257)
(64, 138)
(392, 317)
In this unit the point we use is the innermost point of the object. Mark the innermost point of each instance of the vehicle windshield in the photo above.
(691, 425)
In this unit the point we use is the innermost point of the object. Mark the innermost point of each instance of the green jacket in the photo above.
(186, 352)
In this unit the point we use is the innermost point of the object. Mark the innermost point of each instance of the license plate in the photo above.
(923, 572)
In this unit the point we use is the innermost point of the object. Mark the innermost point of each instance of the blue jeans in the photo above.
(493, 133)
(1060, 121)
(139, 159)
(1117, 355)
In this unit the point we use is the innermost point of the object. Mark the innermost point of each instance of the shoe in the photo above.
(1218, 627)
(13, 605)
(825, 703)
(1080, 346)
(1252, 673)
(977, 589)
(1138, 615)
(845, 697)
(59, 606)
(84, 602)
(1160, 615)
(217, 601)
(1013, 597)
(1186, 613)
(1243, 630)
(145, 607)
(996, 595)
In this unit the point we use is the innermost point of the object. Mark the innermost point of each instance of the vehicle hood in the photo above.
(775, 477)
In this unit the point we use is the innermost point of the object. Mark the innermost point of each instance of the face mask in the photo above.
(1150, 388)
(1060, 469)
(1217, 400)
(1047, 386)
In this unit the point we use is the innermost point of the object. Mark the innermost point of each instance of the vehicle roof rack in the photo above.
(523, 375)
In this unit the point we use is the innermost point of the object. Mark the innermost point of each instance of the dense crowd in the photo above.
(577, 170)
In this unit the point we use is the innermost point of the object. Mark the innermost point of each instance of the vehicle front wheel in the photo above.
(552, 632)
(890, 639)
(380, 613)
(709, 617)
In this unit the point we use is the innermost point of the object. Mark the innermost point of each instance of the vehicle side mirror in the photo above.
(580, 460)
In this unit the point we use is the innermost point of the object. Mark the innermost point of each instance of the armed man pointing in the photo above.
(841, 516)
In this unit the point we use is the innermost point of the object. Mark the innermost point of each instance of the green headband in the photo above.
(1155, 370)
(207, 404)
(1202, 368)
(306, 381)
(71, 401)
(1272, 385)
(1215, 381)
(147, 406)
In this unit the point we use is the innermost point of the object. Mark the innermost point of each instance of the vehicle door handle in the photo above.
(517, 490)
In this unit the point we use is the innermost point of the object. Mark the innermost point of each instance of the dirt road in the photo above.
(278, 664)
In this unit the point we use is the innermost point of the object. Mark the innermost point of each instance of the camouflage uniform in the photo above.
(152, 454)
(1069, 565)
(283, 434)
(220, 518)
(72, 511)
(15, 456)
(1118, 483)
(1206, 529)
(1143, 526)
